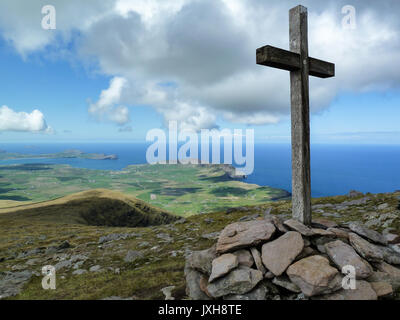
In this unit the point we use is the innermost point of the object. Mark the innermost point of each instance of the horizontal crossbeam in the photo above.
(288, 60)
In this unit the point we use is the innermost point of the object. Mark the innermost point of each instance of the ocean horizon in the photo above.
(335, 169)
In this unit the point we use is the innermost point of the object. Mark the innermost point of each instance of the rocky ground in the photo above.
(149, 263)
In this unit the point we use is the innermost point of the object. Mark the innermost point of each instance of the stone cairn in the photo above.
(274, 259)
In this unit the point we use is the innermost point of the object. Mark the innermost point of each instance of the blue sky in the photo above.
(65, 76)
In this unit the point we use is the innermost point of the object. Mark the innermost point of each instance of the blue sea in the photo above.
(335, 169)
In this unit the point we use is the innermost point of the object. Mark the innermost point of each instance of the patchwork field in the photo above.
(180, 189)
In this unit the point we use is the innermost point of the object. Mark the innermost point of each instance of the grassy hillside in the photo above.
(27, 242)
(98, 207)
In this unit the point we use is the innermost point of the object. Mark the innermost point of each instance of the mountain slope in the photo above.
(97, 207)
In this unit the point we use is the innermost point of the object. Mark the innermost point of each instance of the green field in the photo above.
(180, 189)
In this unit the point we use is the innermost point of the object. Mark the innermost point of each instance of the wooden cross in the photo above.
(300, 66)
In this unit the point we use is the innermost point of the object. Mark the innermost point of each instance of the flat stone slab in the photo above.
(323, 233)
(259, 293)
(314, 276)
(299, 227)
(277, 255)
(244, 234)
(202, 260)
(343, 254)
(323, 223)
(222, 265)
(381, 288)
(363, 291)
(365, 249)
(367, 233)
(389, 255)
(239, 281)
(339, 233)
(392, 238)
(257, 260)
(244, 257)
(284, 282)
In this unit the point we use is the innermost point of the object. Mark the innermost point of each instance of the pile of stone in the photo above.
(274, 259)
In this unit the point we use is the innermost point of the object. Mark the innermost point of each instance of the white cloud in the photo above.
(11, 120)
(107, 108)
(206, 49)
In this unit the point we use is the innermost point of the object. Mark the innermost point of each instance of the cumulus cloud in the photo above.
(107, 108)
(11, 120)
(194, 60)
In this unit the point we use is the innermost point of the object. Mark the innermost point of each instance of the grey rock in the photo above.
(363, 291)
(392, 238)
(95, 268)
(211, 236)
(239, 281)
(250, 217)
(193, 289)
(383, 206)
(365, 249)
(63, 264)
(314, 276)
(277, 255)
(165, 237)
(202, 260)
(11, 283)
(299, 227)
(343, 254)
(132, 255)
(223, 265)
(381, 288)
(244, 234)
(244, 257)
(257, 260)
(367, 233)
(259, 293)
(79, 272)
(389, 255)
(284, 282)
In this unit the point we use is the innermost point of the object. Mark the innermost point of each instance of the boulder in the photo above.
(381, 288)
(277, 222)
(365, 249)
(244, 234)
(363, 291)
(239, 281)
(193, 289)
(392, 279)
(339, 233)
(367, 233)
(259, 293)
(299, 227)
(257, 259)
(343, 254)
(392, 238)
(323, 233)
(132, 255)
(389, 255)
(244, 257)
(222, 265)
(277, 255)
(323, 223)
(202, 260)
(284, 282)
(314, 275)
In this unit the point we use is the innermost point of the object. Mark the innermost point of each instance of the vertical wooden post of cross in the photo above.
(301, 66)
(300, 117)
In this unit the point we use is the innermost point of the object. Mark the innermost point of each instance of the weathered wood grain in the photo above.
(300, 118)
(301, 66)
